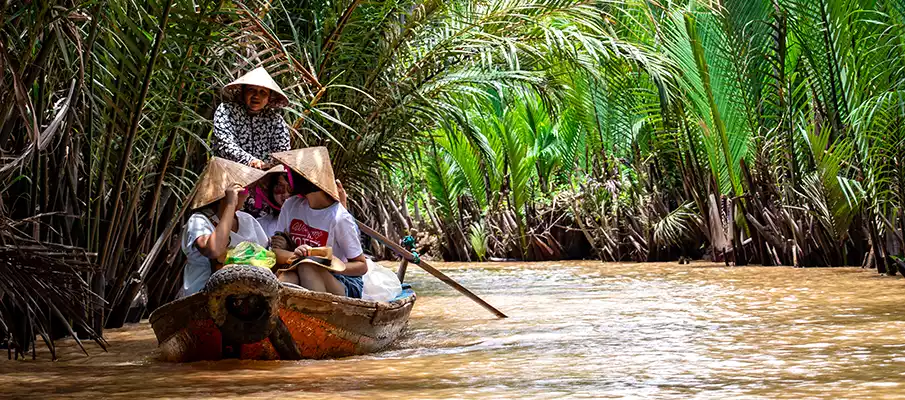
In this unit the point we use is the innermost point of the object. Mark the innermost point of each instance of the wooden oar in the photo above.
(427, 267)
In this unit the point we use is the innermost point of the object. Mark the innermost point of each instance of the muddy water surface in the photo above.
(576, 329)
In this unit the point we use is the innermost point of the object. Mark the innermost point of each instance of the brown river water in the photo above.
(576, 330)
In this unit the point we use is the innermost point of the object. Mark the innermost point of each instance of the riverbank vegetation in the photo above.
(752, 132)
(766, 132)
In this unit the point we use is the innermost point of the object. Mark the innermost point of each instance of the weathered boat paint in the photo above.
(322, 325)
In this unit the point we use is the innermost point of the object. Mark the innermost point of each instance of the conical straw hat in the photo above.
(335, 265)
(219, 175)
(276, 169)
(313, 163)
(322, 257)
(257, 77)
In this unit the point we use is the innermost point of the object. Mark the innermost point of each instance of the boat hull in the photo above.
(319, 325)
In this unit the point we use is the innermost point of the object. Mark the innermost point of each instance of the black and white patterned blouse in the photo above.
(243, 137)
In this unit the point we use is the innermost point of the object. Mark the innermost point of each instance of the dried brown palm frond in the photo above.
(44, 285)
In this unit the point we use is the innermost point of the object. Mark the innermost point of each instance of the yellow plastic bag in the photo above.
(250, 253)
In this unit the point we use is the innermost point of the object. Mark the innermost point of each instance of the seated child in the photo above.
(273, 192)
(315, 218)
(217, 224)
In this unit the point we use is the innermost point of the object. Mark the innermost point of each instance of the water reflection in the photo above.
(580, 329)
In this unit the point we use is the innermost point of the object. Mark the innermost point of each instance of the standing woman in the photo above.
(248, 125)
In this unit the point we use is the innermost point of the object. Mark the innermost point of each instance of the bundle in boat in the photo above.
(245, 312)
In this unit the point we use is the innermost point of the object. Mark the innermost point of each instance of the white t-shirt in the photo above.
(332, 226)
(270, 224)
(197, 266)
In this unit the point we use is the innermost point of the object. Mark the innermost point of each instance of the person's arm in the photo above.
(356, 266)
(225, 134)
(284, 257)
(284, 248)
(279, 241)
(214, 246)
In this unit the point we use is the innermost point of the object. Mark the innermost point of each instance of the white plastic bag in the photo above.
(380, 283)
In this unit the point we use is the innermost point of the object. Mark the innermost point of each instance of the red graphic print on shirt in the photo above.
(301, 234)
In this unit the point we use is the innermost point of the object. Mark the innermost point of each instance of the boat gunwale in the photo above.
(287, 293)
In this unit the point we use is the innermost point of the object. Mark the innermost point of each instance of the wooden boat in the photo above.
(244, 312)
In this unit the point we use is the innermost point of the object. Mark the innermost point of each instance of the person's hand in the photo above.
(232, 195)
(279, 242)
(302, 251)
(342, 194)
(256, 164)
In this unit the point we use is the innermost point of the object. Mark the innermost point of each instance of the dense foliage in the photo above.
(764, 131)
(754, 131)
